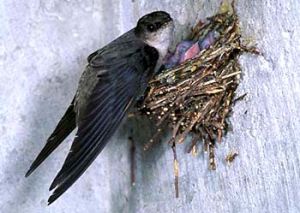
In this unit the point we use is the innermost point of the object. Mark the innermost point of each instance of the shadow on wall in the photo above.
(141, 130)
(38, 122)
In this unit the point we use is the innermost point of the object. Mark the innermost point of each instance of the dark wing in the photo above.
(65, 126)
(120, 80)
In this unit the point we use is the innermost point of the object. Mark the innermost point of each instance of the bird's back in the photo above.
(127, 50)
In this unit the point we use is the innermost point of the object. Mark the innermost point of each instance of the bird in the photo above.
(188, 49)
(110, 85)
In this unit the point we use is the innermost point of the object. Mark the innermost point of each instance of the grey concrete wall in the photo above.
(43, 50)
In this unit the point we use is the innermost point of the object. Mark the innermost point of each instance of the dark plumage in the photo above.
(114, 78)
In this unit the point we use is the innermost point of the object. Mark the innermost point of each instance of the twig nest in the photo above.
(197, 96)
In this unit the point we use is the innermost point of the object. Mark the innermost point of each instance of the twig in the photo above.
(176, 170)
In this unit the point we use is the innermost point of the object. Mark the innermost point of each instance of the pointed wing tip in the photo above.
(56, 194)
(52, 186)
(29, 172)
(32, 168)
(55, 182)
(51, 199)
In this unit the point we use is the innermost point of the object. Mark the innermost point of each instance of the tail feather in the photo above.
(66, 125)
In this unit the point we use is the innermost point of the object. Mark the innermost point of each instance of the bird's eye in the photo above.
(151, 27)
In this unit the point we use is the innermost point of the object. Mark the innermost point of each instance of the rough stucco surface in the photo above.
(43, 49)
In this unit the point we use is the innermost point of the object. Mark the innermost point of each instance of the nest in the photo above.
(197, 96)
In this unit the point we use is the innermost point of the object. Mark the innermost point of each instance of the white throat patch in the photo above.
(162, 39)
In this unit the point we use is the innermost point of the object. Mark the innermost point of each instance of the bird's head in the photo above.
(156, 29)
